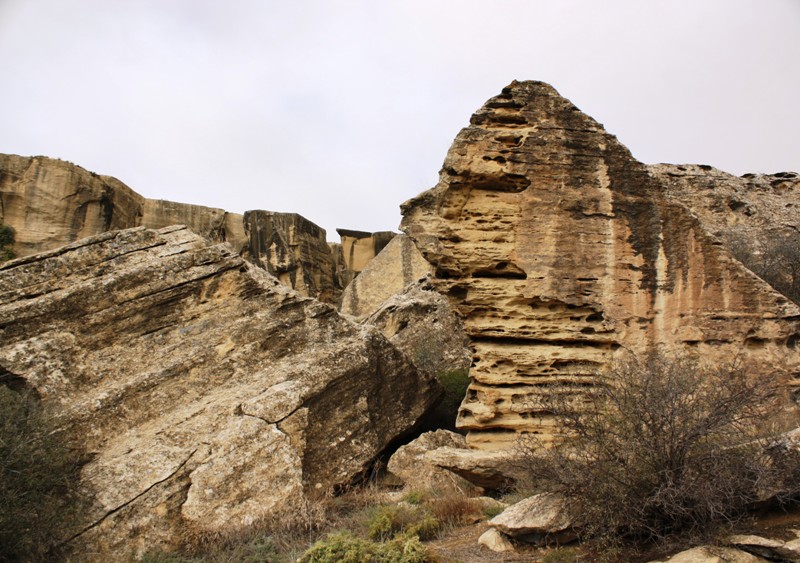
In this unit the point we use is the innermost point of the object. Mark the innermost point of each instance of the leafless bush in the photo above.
(662, 448)
(777, 262)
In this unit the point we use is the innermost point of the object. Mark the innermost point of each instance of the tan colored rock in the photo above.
(216, 225)
(752, 209)
(358, 249)
(765, 547)
(409, 464)
(50, 203)
(541, 519)
(713, 554)
(421, 323)
(491, 470)
(294, 250)
(207, 394)
(496, 541)
(388, 274)
(561, 251)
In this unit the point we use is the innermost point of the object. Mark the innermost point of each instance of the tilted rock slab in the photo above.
(561, 251)
(50, 203)
(206, 394)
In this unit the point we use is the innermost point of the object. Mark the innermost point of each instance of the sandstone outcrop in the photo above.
(752, 210)
(50, 203)
(388, 274)
(294, 250)
(409, 464)
(357, 249)
(420, 322)
(561, 251)
(205, 394)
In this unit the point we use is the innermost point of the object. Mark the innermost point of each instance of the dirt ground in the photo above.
(461, 545)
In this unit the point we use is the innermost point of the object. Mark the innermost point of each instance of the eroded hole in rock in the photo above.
(791, 342)
(14, 382)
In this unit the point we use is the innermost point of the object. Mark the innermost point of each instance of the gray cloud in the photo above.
(341, 110)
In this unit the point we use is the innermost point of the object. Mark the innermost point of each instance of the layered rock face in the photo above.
(753, 210)
(393, 269)
(50, 203)
(294, 250)
(561, 251)
(357, 249)
(206, 394)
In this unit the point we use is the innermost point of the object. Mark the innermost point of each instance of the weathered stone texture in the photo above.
(358, 248)
(560, 251)
(294, 250)
(50, 203)
(421, 323)
(388, 274)
(752, 211)
(207, 394)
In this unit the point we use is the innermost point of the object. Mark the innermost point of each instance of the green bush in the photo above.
(38, 474)
(344, 547)
(6, 241)
(387, 521)
(455, 383)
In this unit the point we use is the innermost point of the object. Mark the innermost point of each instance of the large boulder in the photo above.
(410, 465)
(397, 265)
(421, 323)
(561, 251)
(205, 394)
(541, 519)
(50, 203)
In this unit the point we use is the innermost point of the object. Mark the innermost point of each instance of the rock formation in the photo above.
(357, 249)
(50, 203)
(748, 213)
(398, 265)
(205, 394)
(294, 250)
(561, 251)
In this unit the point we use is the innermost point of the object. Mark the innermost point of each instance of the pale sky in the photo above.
(342, 110)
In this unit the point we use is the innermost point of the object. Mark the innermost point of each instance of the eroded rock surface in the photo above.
(560, 251)
(358, 248)
(294, 250)
(206, 394)
(389, 273)
(50, 203)
(421, 323)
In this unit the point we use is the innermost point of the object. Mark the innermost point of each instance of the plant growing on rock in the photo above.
(38, 474)
(662, 448)
(6, 241)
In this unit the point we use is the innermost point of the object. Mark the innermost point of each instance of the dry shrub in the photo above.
(455, 510)
(661, 448)
(280, 536)
(39, 498)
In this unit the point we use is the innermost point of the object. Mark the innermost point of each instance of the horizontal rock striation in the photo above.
(561, 251)
(205, 394)
(50, 203)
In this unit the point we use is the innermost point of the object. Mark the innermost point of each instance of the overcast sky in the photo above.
(342, 110)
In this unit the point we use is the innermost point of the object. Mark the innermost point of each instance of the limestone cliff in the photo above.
(206, 394)
(50, 203)
(294, 250)
(561, 250)
(757, 207)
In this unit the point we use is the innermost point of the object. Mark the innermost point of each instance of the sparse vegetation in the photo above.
(38, 474)
(663, 448)
(359, 525)
(455, 383)
(777, 263)
(6, 241)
